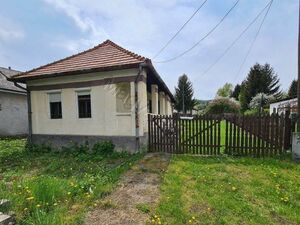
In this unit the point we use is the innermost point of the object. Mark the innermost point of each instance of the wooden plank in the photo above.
(197, 131)
(230, 138)
(211, 136)
(219, 136)
(242, 135)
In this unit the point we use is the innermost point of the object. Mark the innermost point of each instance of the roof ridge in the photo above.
(136, 56)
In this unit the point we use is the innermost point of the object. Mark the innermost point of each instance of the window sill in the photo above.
(123, 114)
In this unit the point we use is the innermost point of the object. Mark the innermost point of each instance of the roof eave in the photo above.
(23, 79)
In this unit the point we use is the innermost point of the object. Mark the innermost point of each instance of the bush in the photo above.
(104, 147)
(255, 112)
(222, 105)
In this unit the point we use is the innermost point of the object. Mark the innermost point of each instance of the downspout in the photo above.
(29, 138)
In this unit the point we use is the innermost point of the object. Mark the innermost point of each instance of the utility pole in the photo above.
(298, 90)
(183, 106)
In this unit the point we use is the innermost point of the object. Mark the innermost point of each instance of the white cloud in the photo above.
(10, 31)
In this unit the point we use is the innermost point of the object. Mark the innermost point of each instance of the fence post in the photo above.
(287, 130)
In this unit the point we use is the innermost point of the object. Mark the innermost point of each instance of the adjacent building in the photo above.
(104, 93)
(13, 106)
(283, 105)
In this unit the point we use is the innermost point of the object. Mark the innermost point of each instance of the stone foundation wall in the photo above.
(122, 143)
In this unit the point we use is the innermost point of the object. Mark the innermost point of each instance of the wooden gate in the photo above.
(230, 134)
(266, 135)
(185, 134)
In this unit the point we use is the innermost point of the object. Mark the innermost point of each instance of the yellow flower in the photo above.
(25, 209)
(69, 193)
(193, 217)
(38, 205)
(155, 216)
(190, 221)
(55, 204)
(30, 198)
(233, 188)
(95, 204)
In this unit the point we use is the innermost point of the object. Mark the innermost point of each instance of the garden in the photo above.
(46, 187)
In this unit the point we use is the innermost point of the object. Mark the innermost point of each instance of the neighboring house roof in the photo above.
(103, 57)
(6, 85)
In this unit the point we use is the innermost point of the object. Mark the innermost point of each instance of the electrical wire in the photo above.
(203, 38)
(237, 39)
(254, 40)
(181, 28)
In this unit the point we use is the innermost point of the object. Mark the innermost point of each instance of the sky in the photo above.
(37, 32)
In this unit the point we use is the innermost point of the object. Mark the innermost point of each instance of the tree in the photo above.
(260, 79)
(222, 105)
(184, 95)
(225, 91)
(236, 92)
(292, 93)
(260, 100)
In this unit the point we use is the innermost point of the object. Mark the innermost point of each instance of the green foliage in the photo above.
(143, 207)
(184, 93)
(236, 92)
(104, 147)
(225, 91)
(260, 100)
(256, 112)
(260, 79)
(292, 93)
(222, 105)
(57, 188)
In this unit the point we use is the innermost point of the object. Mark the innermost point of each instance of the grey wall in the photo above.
(13, 114)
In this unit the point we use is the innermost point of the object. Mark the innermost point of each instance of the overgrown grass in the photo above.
(56, 188)
(226, 190)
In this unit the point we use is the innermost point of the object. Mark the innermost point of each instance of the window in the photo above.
(55, 105)
(123, 97)
(84, 104)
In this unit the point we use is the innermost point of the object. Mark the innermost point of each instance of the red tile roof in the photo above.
(106, 55)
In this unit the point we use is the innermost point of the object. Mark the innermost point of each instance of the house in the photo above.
(284, 105)
(13, 106)
(104, 93)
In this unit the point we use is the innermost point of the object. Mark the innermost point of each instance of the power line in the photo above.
(203, 38)
(254, 40)
(237, 39)
(181, 28)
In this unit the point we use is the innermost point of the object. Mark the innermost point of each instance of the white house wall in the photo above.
(13, 114)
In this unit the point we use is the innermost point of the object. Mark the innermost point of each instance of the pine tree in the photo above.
(184, 93)
(260, 79)
(236, 92)
(292, 93)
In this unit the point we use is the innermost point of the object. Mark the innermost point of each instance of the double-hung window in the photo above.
(84, 104)
(55, 105)
(123, 98)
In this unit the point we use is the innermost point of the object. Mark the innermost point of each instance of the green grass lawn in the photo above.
(226, 190)
(56, 188)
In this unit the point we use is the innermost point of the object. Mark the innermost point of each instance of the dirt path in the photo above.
(137, 193)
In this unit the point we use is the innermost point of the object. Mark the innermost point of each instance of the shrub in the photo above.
(223, 105)
(104, 147)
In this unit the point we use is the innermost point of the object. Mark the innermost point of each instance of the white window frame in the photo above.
(48, 103)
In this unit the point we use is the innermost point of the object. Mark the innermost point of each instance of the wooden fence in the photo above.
(209, 135)
(257, 135)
